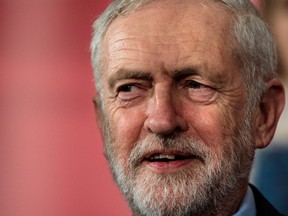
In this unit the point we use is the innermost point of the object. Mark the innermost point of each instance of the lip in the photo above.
(169, 166)
(172, 166)
(165, 152)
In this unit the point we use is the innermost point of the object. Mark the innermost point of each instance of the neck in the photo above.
(233, 201)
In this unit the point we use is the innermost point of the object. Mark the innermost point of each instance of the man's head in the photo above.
(187, 91)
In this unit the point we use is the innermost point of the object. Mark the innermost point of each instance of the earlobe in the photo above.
(271, 107)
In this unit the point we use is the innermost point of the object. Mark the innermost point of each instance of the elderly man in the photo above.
(187, 91)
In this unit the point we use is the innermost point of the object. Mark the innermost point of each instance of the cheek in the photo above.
(126, 128)
(214, 130)
(211, 125)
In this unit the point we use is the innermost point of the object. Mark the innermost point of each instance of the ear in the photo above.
(268, 114)
(98, 112)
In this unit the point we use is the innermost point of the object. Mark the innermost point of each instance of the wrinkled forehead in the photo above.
(188, 18)
(165, 27)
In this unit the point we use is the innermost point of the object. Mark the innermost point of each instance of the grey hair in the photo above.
(115, 9)
(253, 44)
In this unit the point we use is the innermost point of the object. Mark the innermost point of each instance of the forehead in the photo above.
(171, 29)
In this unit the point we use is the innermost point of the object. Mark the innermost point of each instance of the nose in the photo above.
(164, 116)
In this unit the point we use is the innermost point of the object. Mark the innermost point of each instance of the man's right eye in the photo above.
(129, 92)
(126, 88)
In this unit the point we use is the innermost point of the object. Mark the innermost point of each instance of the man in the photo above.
(186, 92)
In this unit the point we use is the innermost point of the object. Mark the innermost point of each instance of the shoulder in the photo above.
(263, 206)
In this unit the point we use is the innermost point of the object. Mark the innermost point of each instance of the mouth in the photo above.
(169, 161)
(166, 157)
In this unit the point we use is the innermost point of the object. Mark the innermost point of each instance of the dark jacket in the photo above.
(263, 206)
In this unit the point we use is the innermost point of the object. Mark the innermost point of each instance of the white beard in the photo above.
(203, 189)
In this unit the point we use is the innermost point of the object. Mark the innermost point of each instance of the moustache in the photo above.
(179, 147)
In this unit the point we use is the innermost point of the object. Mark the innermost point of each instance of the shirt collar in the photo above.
(248, 206)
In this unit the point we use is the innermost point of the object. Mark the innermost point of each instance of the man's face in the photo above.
(174, 105)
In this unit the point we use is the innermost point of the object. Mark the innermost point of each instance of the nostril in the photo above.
(179, 129)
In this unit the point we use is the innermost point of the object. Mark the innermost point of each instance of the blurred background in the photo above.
(51, 159)
(270, 173)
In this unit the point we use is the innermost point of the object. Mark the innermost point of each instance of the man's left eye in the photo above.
(198, 92)
(195, 85)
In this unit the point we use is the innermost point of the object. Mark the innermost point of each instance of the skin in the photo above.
(167, 70)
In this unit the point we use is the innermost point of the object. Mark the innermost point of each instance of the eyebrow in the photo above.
(124, 74)
(178, 74)
(185, 72)
(215, 76)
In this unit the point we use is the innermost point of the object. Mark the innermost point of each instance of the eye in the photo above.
(126, 88)
(131, 91)
(195, 85)
(199, 92)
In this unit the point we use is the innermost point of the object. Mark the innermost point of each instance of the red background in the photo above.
(51, 161)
